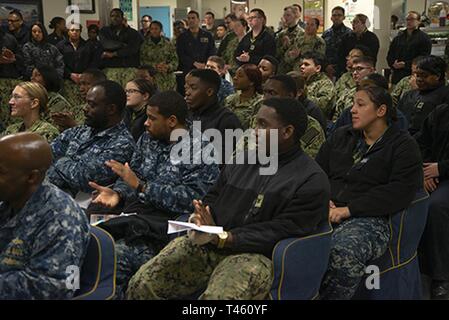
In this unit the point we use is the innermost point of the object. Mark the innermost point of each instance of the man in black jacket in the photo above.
(17, 27)
(121, 43)
(194, 46)
(359, 36)
(433, 140)
(258, 42)
(432, 91)
(255, 211)
(408, 45)
(201, 96)
(11, 59)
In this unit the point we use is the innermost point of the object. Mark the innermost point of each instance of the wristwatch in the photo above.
(222, 237)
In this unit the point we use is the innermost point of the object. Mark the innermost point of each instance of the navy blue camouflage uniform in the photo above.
(79, 156)
(226, 89)
(37, 244)
(333, 38)
(171, 187)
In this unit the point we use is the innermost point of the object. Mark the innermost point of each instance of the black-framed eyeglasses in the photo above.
(359, 69)
(130, 91)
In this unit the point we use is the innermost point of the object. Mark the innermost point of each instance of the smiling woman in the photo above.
(29, 103)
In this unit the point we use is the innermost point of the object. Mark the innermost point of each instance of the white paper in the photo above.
(83, 199)
(177, 226)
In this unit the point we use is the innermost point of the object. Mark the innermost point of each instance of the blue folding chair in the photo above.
(300, 264)
(98, 272)
(400, 277)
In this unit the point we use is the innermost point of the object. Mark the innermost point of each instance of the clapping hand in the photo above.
(201, 217)
(124, 171)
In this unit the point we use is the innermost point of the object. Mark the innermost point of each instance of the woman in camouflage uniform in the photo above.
(248, 79)
(29, 103)
(160, 53)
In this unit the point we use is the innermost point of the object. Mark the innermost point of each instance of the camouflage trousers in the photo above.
(121, 75)
(183, 269)
(355, 242)
(129, 260)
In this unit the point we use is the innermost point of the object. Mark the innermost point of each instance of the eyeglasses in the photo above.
(145, 21)
(130, 91)
(359, 69)
(13, 21)
(337, 15)
(253, 17)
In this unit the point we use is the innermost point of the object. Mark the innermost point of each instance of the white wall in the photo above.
(274, 9)
(416, 5)
(383, 32)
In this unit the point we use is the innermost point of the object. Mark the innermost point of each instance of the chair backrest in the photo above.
(406, 228)
(299, 265)
(98, 272)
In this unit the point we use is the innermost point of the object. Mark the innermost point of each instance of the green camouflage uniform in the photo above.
(164, 52)
(345, 82)
(344, 94)
(226, 276)
(401, 88)
(43, 128)
(71, 93)
(321, 91)
(229, 54)
(281, 50)
(245, 111)
(120, 75)
(56, 103)
(6, 88)
(305, 44)
(78, 114)
(344, 100)
(313, 138)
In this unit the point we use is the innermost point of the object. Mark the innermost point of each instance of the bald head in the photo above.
(25, 151)
(24, 161)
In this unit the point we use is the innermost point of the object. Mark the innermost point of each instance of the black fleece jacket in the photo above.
(417, 105)
(261, 210)
(433, 139)
(384, 182)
